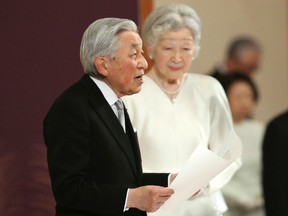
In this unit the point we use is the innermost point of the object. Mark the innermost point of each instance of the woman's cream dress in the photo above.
(169, 131)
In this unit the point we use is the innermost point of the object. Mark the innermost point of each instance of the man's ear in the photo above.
(101, 65)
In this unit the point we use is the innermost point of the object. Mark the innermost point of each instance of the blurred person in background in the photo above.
(243, 55)
(176, 110)
(275, 166)
(243, 193)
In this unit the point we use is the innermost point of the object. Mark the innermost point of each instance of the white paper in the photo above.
(202, 166)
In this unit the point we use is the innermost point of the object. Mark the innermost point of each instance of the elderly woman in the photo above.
(176, 111)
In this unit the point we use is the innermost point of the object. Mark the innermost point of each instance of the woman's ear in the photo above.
(150, 53)
(100, 65)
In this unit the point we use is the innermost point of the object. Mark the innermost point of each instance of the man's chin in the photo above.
(135, 91)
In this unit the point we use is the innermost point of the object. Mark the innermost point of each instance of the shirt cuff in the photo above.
(125, 205)
(169, 176)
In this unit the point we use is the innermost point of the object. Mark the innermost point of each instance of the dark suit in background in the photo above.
(220, 75)
(275, 166)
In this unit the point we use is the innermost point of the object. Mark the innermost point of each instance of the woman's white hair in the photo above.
(167, 18)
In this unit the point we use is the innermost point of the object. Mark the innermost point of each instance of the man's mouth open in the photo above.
(140, 77)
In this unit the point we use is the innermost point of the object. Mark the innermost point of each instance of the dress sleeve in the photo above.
(221, 133)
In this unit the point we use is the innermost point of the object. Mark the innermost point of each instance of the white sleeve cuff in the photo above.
(127, 194)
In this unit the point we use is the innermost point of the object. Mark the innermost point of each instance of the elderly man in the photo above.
(93, 153)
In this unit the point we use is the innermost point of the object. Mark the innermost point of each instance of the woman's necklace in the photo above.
(170, 93)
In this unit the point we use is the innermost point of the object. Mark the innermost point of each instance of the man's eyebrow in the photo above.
(136, 45)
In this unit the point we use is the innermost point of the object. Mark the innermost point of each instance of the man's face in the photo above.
(125, 71)
(248, 62)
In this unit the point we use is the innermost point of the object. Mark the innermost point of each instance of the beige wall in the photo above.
(265, 20)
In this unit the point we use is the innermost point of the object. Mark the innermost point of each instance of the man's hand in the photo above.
(148, 198)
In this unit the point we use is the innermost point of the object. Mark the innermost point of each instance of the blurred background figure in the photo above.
(176, 110)
(243, 55)
(243, 193)
(275, 166)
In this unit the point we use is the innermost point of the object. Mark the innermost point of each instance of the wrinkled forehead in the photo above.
(131, 39)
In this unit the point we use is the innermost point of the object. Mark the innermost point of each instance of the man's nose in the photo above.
(143, 63)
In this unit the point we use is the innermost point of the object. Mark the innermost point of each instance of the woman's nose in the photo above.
(176, 56)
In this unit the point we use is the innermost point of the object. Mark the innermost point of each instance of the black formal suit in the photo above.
(92, 161)
(220, 75)
(275, 166)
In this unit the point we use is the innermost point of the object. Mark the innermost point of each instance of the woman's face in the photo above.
(241, 100)
(173, 54)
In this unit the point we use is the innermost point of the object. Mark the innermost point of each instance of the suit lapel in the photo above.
(108, 117)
